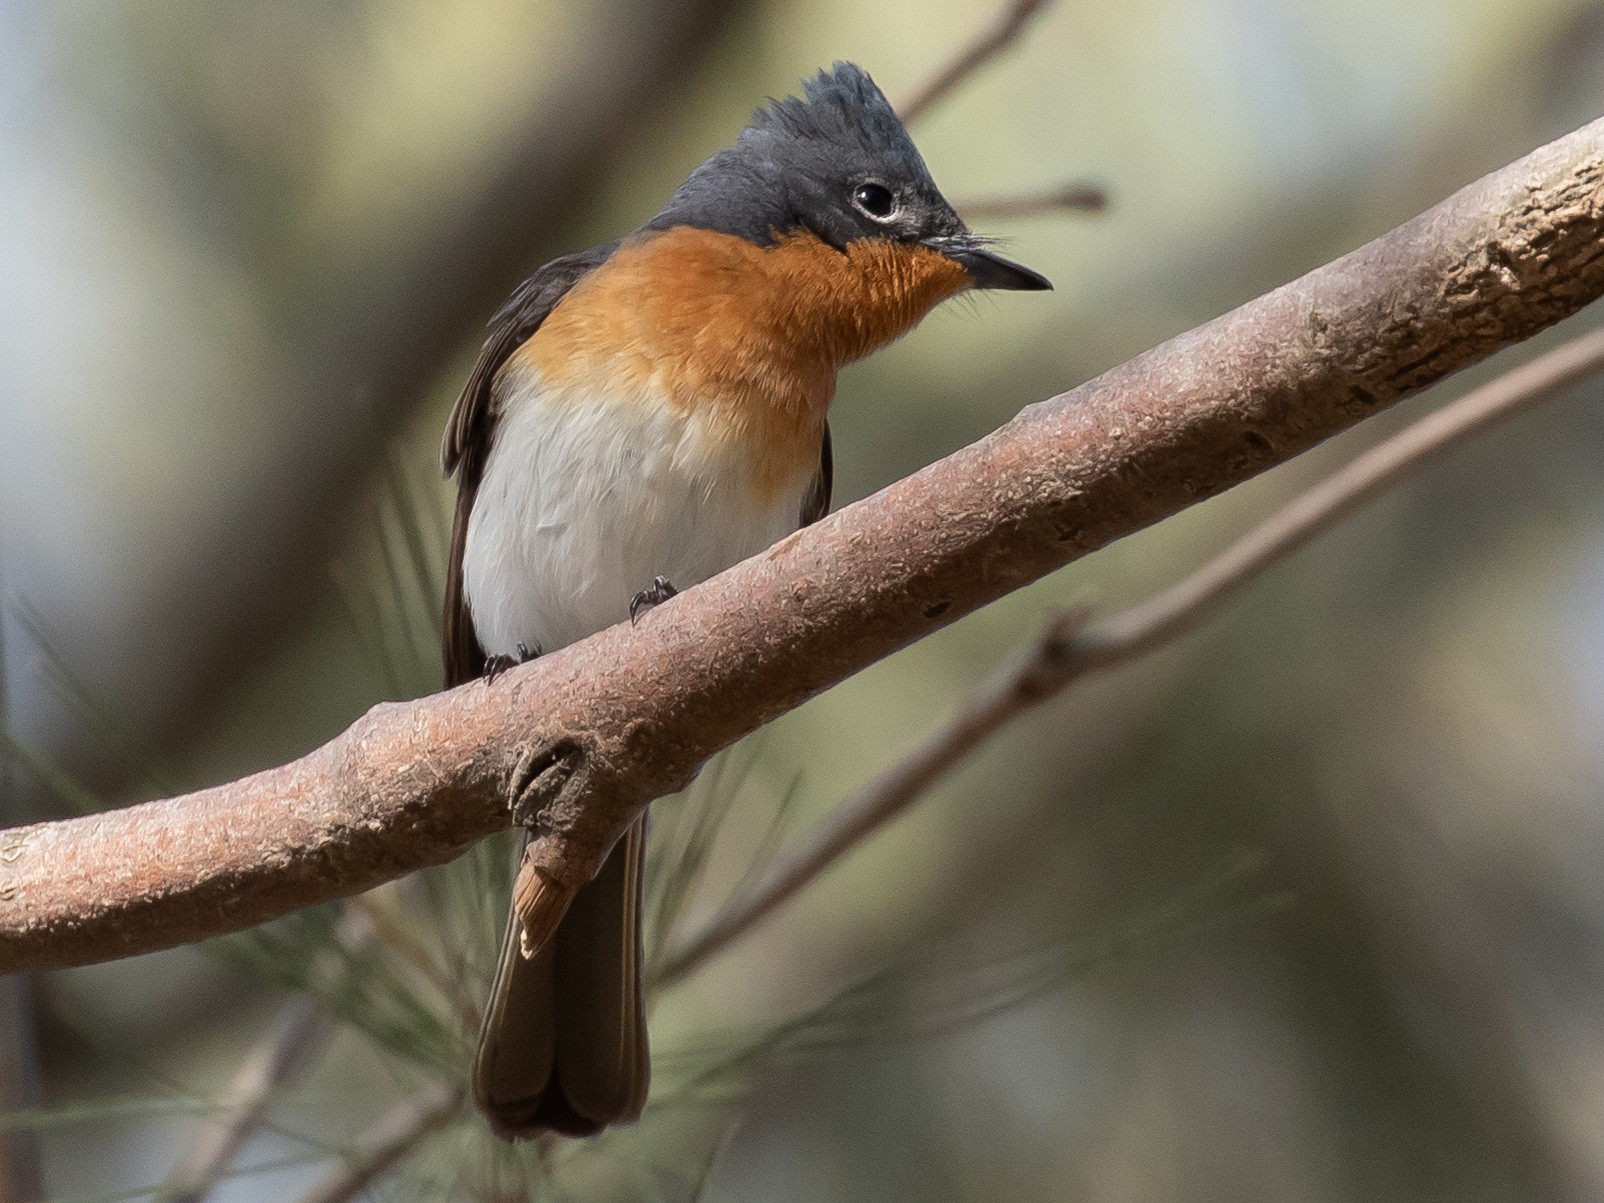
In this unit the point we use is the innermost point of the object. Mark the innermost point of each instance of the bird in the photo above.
(642, 416)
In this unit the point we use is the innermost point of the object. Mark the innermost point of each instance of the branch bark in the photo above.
(1065, 651)
(575, 743)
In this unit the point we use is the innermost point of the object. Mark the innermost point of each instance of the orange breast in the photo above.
(754, 334)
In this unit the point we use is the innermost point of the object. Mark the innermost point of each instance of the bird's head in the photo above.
(836, 163)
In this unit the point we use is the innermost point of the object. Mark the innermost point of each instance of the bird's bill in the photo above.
(987, 269)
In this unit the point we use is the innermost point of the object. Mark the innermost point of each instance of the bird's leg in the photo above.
(659, 593)
(498, 664)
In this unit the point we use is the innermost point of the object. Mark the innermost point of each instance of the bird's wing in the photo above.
(471, 427)
(816, 502)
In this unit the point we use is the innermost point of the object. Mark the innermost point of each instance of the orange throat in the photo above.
(756, 335)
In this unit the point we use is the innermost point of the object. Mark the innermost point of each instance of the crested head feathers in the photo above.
(798, 162)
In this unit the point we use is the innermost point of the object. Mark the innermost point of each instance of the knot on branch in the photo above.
(542, 779)
(1057, 657)
(545, 781)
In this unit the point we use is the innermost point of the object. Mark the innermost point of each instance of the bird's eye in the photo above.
(875, 200)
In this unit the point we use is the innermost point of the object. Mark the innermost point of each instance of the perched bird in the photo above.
(644, 415)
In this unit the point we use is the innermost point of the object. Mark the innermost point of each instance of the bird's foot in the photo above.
(659, 593)
(498, 664)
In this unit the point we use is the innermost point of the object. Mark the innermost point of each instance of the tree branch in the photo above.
(1077, 196)
(1002, 33)
(396, 1136)
(576, 742)
(1065, 652)
(286, 1050)
(297, 1035)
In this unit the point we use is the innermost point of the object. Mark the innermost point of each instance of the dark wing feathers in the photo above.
(469, 430)
(467, 435)
(461, 654)
(816, 503)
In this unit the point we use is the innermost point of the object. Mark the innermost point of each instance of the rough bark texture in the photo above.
(576, 742)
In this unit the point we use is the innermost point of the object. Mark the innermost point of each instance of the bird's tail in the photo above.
(563, 1044)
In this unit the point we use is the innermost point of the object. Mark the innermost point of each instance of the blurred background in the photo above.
(1305, 907)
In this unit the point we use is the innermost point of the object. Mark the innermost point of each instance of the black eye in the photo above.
(875, 200)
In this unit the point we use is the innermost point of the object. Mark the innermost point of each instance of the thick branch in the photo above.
(1065, 651)
(579, 740)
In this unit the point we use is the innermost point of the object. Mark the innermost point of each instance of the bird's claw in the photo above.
(659, 592)
(499, 663)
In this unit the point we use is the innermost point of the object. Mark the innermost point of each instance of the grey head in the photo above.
(837, 163)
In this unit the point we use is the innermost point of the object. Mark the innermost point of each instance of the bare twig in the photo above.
(1078, 196)
(298, 1033)
(399, 1134)
(1002, 33)
(578, 741)
(288, 1048)
(1065, 651)
(1181, 607)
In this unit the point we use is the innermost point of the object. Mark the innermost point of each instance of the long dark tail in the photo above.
(563, 1044)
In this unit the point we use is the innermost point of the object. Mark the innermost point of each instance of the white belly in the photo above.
(582, 504)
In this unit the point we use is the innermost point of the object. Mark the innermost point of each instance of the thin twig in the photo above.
(1077, 196)
(1003, 31)
(398, 1135)
(1182, 606)
(287, 1049)
(581, 740)
(290, 1045)
(1066, 651)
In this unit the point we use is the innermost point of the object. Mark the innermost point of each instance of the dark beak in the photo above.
(987, 269)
